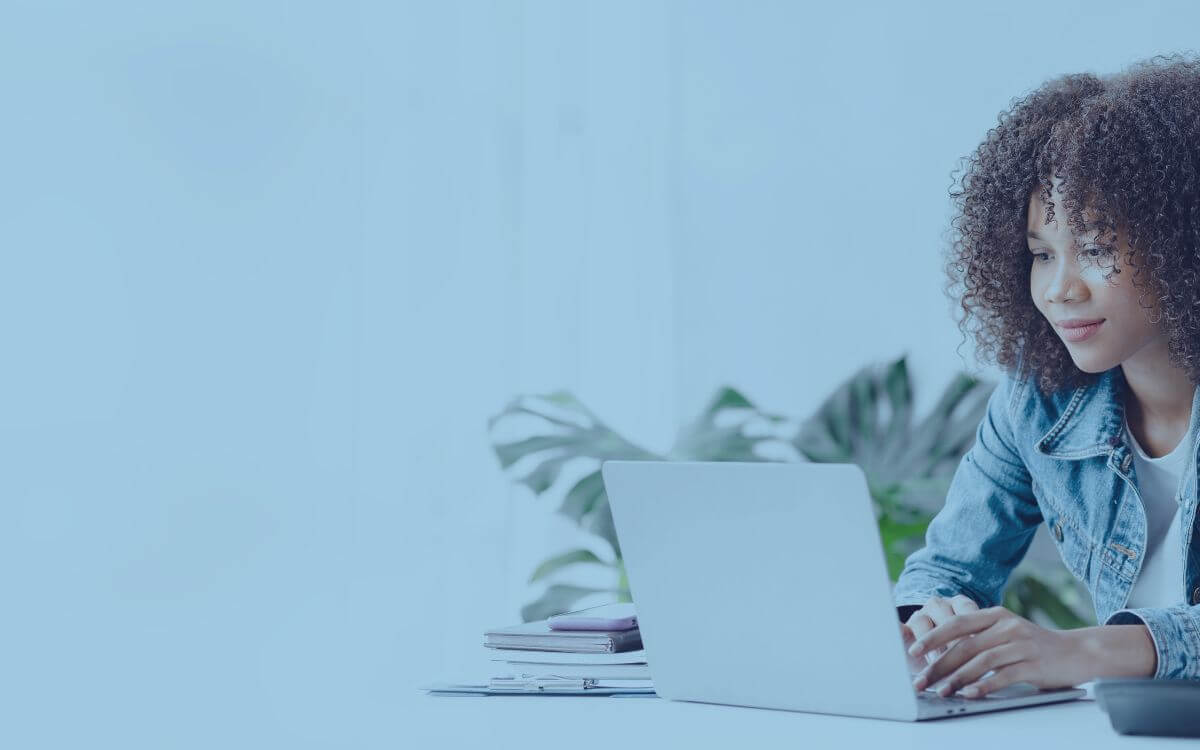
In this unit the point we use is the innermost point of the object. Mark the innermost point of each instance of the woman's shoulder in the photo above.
(1026, 403)
(1036, 412)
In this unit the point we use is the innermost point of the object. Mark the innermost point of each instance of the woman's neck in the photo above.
(1159, 404)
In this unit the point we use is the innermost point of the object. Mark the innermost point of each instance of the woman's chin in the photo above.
(1093, 365)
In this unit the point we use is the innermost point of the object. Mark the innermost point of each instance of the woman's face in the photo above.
(1069, 286)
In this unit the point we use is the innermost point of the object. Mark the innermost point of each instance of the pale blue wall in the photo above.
(268, 267)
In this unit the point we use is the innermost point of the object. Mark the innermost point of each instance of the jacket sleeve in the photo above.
(1176, 634)
(988, 520)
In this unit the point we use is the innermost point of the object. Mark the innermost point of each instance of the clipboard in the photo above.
(542, 686)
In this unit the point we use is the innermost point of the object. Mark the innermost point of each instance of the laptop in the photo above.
(765, 585)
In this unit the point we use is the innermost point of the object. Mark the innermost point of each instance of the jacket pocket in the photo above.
(1073, 543)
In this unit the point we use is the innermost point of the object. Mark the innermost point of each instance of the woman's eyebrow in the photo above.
(1087, 227)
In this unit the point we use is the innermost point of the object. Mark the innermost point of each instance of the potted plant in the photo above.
(868, 421)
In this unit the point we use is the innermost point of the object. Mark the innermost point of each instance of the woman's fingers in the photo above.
(970, 660)
(938, 609)
(1001, 678)
(992, 648)
(931, 614)
(991, 659)
(915, 664)
(960, 626)
(963, 604)
(958, 655)
(920, 624)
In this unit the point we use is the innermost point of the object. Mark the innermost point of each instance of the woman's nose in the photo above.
(1065, 285)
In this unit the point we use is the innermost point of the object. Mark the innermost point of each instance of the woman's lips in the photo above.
(1079, 333)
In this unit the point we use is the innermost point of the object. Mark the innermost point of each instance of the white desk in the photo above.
(621, 723)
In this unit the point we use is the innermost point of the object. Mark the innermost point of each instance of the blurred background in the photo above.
(269, 268)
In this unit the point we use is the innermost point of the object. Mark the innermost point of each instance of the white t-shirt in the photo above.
(1161, 580)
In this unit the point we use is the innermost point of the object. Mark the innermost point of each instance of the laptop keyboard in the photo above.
(931, 698)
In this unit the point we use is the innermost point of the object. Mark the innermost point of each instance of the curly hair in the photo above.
(1126, 148)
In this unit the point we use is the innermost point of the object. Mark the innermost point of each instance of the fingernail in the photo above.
(970, 692)
(915, 648)
(944, 690)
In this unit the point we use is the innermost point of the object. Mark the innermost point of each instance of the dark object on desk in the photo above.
(537, 636)
(1162, 708)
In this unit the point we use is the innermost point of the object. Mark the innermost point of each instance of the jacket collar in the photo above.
(1093, 420)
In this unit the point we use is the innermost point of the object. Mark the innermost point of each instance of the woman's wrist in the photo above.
(1117, 651)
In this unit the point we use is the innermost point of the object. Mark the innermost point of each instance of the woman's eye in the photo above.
(1035, 255)
(1095, 253)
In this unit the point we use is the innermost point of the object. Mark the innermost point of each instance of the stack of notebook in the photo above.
(540, 636)
(594, 651)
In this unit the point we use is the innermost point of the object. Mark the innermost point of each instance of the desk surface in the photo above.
(585, 722)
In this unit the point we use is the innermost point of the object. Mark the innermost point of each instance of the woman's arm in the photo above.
(1175, 635)
(988, 520)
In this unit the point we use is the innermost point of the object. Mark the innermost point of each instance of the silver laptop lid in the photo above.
(761, 584)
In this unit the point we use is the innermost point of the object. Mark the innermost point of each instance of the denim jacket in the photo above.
(1059, 459)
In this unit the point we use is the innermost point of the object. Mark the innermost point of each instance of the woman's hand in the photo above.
(934, 612)
(1014, 649)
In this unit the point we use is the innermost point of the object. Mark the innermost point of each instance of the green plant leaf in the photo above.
(510, 453)
(928, 445)
(557, 599)
(898, 388)
(958, 434)
(727, 398)
(900, 538)
(865, 392)
(563, 441)
(561, 400)
(828, 436)
(718, 433)
(623, 594)
(843, 431)
(543, 475)
(1027, 595)
(600, 523)
(573, 557)
(918, 493)
(581, 499)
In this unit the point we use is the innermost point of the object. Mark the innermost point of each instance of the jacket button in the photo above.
(1196, 595)
(1059, 536)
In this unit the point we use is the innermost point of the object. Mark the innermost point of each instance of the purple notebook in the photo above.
(608, 617)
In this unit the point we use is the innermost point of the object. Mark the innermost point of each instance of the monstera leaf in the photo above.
(570, 431)
(724, 431)
(869, 421)
(574, 432)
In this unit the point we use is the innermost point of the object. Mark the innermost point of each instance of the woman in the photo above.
(1076, 257)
